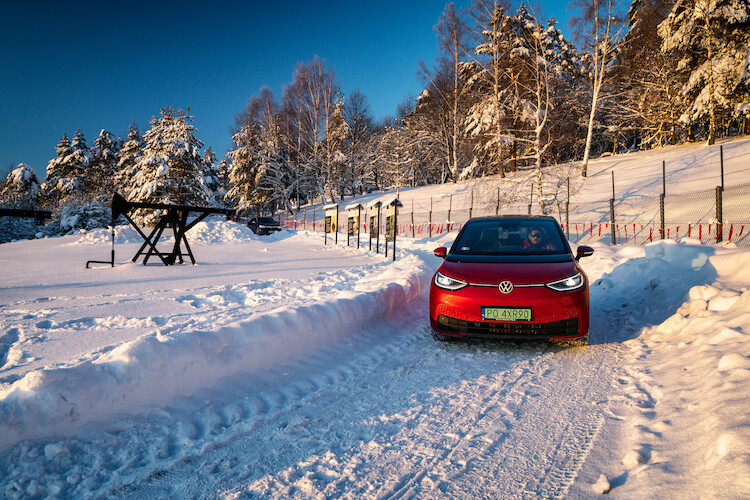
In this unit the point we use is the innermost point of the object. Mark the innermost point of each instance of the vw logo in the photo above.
(505, 287)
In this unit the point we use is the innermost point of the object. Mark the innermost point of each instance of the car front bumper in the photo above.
(555, 315)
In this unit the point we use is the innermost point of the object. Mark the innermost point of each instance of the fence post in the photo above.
(450, 206)
(661, 214)
(430, 219)
(497, 207)
(567, 212)
(719, 214)
(721, 160)
(612, 220)
(471, 206)
(662, 196)
(531, 197)
(612, 211)
(412, 217)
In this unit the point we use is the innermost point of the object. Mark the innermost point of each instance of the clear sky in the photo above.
(92, 65)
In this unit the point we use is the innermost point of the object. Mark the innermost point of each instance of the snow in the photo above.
(281, 367)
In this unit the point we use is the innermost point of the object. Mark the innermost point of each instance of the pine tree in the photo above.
(244, 168)
(104, 164)
(129, 154)
(333, 144)
(81, 159)
(710, 40)
(63, 181)
(211, 176)
(58, 167)
(172, 167)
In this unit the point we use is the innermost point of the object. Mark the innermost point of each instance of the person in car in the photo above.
(537, 240)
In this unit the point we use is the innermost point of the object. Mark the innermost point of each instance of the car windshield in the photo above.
(510, 237)
(266, 220)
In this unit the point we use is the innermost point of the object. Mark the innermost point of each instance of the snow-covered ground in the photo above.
(280, 367)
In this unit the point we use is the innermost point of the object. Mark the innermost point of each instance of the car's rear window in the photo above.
(510, 237)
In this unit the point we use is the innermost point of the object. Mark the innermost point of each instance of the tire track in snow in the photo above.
(500, 451)
(495, 417)
(507, 420)
(282, 392)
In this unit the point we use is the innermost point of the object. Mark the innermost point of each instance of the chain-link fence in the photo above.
(711, 216)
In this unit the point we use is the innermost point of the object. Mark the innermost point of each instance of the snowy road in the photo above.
(392, 414)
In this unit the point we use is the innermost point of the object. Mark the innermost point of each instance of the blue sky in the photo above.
(93, 65)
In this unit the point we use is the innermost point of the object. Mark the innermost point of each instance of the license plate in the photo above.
(506, 313)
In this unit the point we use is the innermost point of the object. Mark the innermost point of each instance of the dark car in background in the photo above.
(264, 225)
(511, 277)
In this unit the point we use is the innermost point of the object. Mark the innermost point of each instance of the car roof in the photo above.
(518, 217)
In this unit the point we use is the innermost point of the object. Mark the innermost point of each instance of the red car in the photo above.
(511, 277)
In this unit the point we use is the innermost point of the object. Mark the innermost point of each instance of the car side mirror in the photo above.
(584, 251)
(441, 252)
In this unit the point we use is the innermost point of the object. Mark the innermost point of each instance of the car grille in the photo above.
(564, 328)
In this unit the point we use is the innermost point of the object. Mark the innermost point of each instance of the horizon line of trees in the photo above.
(508, 91)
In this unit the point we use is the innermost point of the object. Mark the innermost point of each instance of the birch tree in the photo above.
(601, 28)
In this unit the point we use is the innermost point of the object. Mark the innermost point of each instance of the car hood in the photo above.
(524, 273)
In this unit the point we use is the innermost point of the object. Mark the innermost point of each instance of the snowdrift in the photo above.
(153, 368)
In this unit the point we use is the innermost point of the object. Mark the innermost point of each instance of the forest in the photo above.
(507, 92)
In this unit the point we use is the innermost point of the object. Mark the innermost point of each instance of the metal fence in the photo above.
(711, 216)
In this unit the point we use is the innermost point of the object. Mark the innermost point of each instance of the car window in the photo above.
(509, 237)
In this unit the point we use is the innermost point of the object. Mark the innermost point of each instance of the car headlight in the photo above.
(443, 281)
(567, 284)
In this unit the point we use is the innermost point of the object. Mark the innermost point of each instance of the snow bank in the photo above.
(152, 368)
(685, 382)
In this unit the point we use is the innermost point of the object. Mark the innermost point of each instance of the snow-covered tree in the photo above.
(521, 74)
(104, 164)
(21, 188)
(172, 168)
(447, 93)
(601, 28)
(710, 39)
(358, 145)
(243, 169)
(63, 175)
(648, 86)
(335, 164)
(58, 167)
(129, 154)
(223, 174)
(488, 79)
(260, 175)
(81, 158)
(211, 176)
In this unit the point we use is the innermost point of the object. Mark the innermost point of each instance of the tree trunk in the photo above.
(587, 150)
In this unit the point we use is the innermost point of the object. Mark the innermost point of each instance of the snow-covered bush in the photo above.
(14, 228)
(90, 216)
(21, 188)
